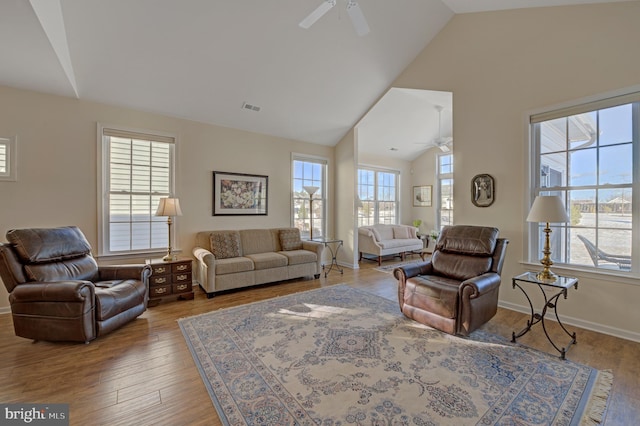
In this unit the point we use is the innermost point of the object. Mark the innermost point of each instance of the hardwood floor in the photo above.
(143, 373)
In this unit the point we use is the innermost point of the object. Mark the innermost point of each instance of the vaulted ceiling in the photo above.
(204, 59)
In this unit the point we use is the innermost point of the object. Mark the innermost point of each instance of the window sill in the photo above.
(135, 257)
(629, 278)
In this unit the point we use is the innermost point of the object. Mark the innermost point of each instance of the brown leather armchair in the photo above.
(457, 290)
(57, 291)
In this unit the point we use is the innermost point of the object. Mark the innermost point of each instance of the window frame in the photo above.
(322, 182)
(439, 178)
(533, 186)
(11, 159)
(376, 202)
(104, 187)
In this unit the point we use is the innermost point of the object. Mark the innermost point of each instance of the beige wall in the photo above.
(57, 166)
(423, 172)
(499, 65)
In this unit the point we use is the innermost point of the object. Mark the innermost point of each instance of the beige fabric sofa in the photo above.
(383, 240)
(232, 259)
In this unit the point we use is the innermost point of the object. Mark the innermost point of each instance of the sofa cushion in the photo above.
(225, 244)
(290, 239)
(267, 260)
(401, 232)
(258, 241)
(298, 257)
(384, 232)
(233, 264)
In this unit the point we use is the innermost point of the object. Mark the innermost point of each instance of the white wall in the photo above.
(499, 65)
(57, 166)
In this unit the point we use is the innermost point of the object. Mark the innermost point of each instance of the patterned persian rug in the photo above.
(342, 356)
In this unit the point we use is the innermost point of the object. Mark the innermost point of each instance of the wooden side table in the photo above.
(170, 280)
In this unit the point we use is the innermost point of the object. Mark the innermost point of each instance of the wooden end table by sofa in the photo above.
(170, 280)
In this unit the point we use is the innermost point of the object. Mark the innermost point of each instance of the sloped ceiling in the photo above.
(202, 59)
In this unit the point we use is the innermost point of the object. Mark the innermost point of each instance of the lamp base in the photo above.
(546, 275)
(170, 256)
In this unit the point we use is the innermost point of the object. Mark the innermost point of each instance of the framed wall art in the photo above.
(483, 190)
(422, 196)
(239, 194)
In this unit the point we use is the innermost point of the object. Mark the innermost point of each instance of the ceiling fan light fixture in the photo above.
(357, 18)
(353, 10)
(318, 13)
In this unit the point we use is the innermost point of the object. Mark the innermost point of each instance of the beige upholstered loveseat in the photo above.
(232, 259)
(382, 240)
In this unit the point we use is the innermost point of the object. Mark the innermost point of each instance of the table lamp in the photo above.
(311, 190)
(547, 209)
(169, 207)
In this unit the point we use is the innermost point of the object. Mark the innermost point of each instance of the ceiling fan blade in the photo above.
(357, 18)
(317, 14)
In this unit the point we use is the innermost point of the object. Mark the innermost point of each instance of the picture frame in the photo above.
(483, 190)
(422, 196)
(240, 194)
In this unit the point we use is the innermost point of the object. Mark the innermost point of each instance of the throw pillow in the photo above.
(290, 239)
(225, 244)
(401, 233)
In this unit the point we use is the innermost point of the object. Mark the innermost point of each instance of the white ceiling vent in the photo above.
(250, 107)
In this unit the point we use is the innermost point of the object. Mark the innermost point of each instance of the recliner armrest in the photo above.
(479, 285)
(124, 272)
(405, 272)
(57, 291)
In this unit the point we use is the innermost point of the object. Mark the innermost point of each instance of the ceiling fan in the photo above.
(443, 143)
(353, 10)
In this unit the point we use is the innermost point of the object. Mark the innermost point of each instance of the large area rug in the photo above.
(342, 356)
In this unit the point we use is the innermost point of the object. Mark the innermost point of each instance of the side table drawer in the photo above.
(181, 267)
(180, 278)
(160, 280)
(159, 290)
(160, 269)
(182, 287)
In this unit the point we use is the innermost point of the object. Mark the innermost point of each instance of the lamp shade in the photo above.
(311, 189)
(548, 208)
(169, 207)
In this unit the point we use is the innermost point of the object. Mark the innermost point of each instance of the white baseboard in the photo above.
(577, 322)
(6, 310)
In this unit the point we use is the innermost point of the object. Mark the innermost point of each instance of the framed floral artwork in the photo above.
(239, 194)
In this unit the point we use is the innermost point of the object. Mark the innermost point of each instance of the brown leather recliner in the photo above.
(457, 290)
(57, 291)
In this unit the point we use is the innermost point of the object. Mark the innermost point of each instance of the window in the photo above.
(586, 155)
(445, 190)
(378, 193)
(309, 172)
(137, 169)
(8, 159)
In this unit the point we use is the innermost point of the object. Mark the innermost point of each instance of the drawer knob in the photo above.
(181, 277)
(160, 270)
(182, 287)
(160, 290)
(161, 280)
(181, 267)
